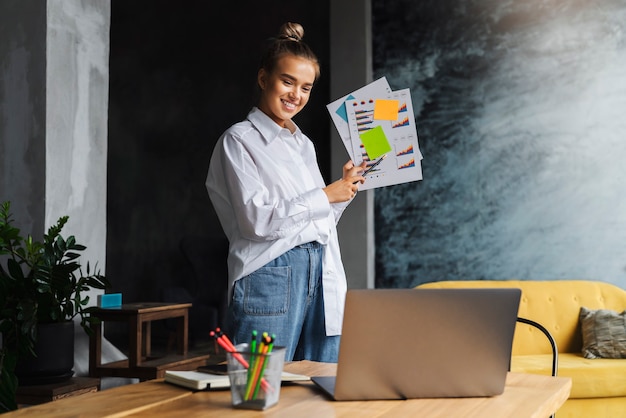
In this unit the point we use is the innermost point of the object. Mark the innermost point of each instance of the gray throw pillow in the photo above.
(604, 333)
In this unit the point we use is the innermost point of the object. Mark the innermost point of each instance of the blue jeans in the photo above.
(285, 298)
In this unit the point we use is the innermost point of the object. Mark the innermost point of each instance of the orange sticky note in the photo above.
(386, 109)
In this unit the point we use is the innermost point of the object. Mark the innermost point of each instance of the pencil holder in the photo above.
(254, 377)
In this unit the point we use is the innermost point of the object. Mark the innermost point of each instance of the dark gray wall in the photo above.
(181, 73)
(23, 111)
(351, 63)
(519, 107)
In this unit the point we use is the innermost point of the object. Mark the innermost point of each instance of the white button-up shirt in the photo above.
(266, 188)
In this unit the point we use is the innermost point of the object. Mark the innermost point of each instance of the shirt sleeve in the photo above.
(262, 213)
(338, 209)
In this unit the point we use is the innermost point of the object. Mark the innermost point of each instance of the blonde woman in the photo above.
(285, 271)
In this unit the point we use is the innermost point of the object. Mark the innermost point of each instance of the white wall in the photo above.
(77, 81)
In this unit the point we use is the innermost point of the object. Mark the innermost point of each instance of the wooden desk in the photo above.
(139, 317)
(525, 396)
(36, 394)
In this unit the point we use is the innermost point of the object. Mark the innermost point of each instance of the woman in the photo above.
(285, 271)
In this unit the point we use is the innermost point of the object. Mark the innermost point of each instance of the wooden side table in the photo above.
(37, 394)
(139, 316)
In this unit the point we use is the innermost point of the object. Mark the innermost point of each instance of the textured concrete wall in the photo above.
(23, 110)
(520, 112)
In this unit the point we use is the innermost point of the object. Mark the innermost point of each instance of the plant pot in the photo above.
(55, 356)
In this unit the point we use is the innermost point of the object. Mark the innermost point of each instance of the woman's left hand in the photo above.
(346, 188)
(350, 170)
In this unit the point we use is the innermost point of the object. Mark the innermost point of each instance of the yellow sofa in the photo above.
(598, 385)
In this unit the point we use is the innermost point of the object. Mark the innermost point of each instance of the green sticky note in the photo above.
(375, 142)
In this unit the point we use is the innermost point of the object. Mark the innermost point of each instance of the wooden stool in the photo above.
(138, 316)
(36, 394)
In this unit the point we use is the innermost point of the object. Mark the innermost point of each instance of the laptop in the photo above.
(424, 343)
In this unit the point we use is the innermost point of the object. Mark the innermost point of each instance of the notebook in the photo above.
(203, 381)
(424, 343)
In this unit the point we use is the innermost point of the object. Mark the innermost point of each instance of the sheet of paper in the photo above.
(338, 112)
(403, 161)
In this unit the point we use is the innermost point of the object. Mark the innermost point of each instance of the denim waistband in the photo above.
(312, 245)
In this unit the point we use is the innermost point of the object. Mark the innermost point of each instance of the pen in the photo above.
(252, 361)
(253, 341)
(227, 345)
(268, 350)
(255, 368)
(373, 166)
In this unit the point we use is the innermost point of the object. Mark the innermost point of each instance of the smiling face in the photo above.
(286, 90)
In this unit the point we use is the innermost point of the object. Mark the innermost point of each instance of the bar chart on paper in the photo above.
(380, 127)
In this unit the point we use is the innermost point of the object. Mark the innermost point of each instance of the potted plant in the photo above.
(41, 283)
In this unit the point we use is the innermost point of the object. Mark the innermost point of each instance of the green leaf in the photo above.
(8, 381)
(71, 256)
(40, 281)
(15, 269)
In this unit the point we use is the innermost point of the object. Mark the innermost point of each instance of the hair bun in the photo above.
(288, 41)
(291, 31)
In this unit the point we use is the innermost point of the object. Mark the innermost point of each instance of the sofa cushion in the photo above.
(597, 378)
(604, 333)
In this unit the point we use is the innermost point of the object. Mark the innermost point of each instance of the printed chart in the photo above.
(374, 122)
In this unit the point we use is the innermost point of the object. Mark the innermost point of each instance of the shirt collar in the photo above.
(267, 127)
